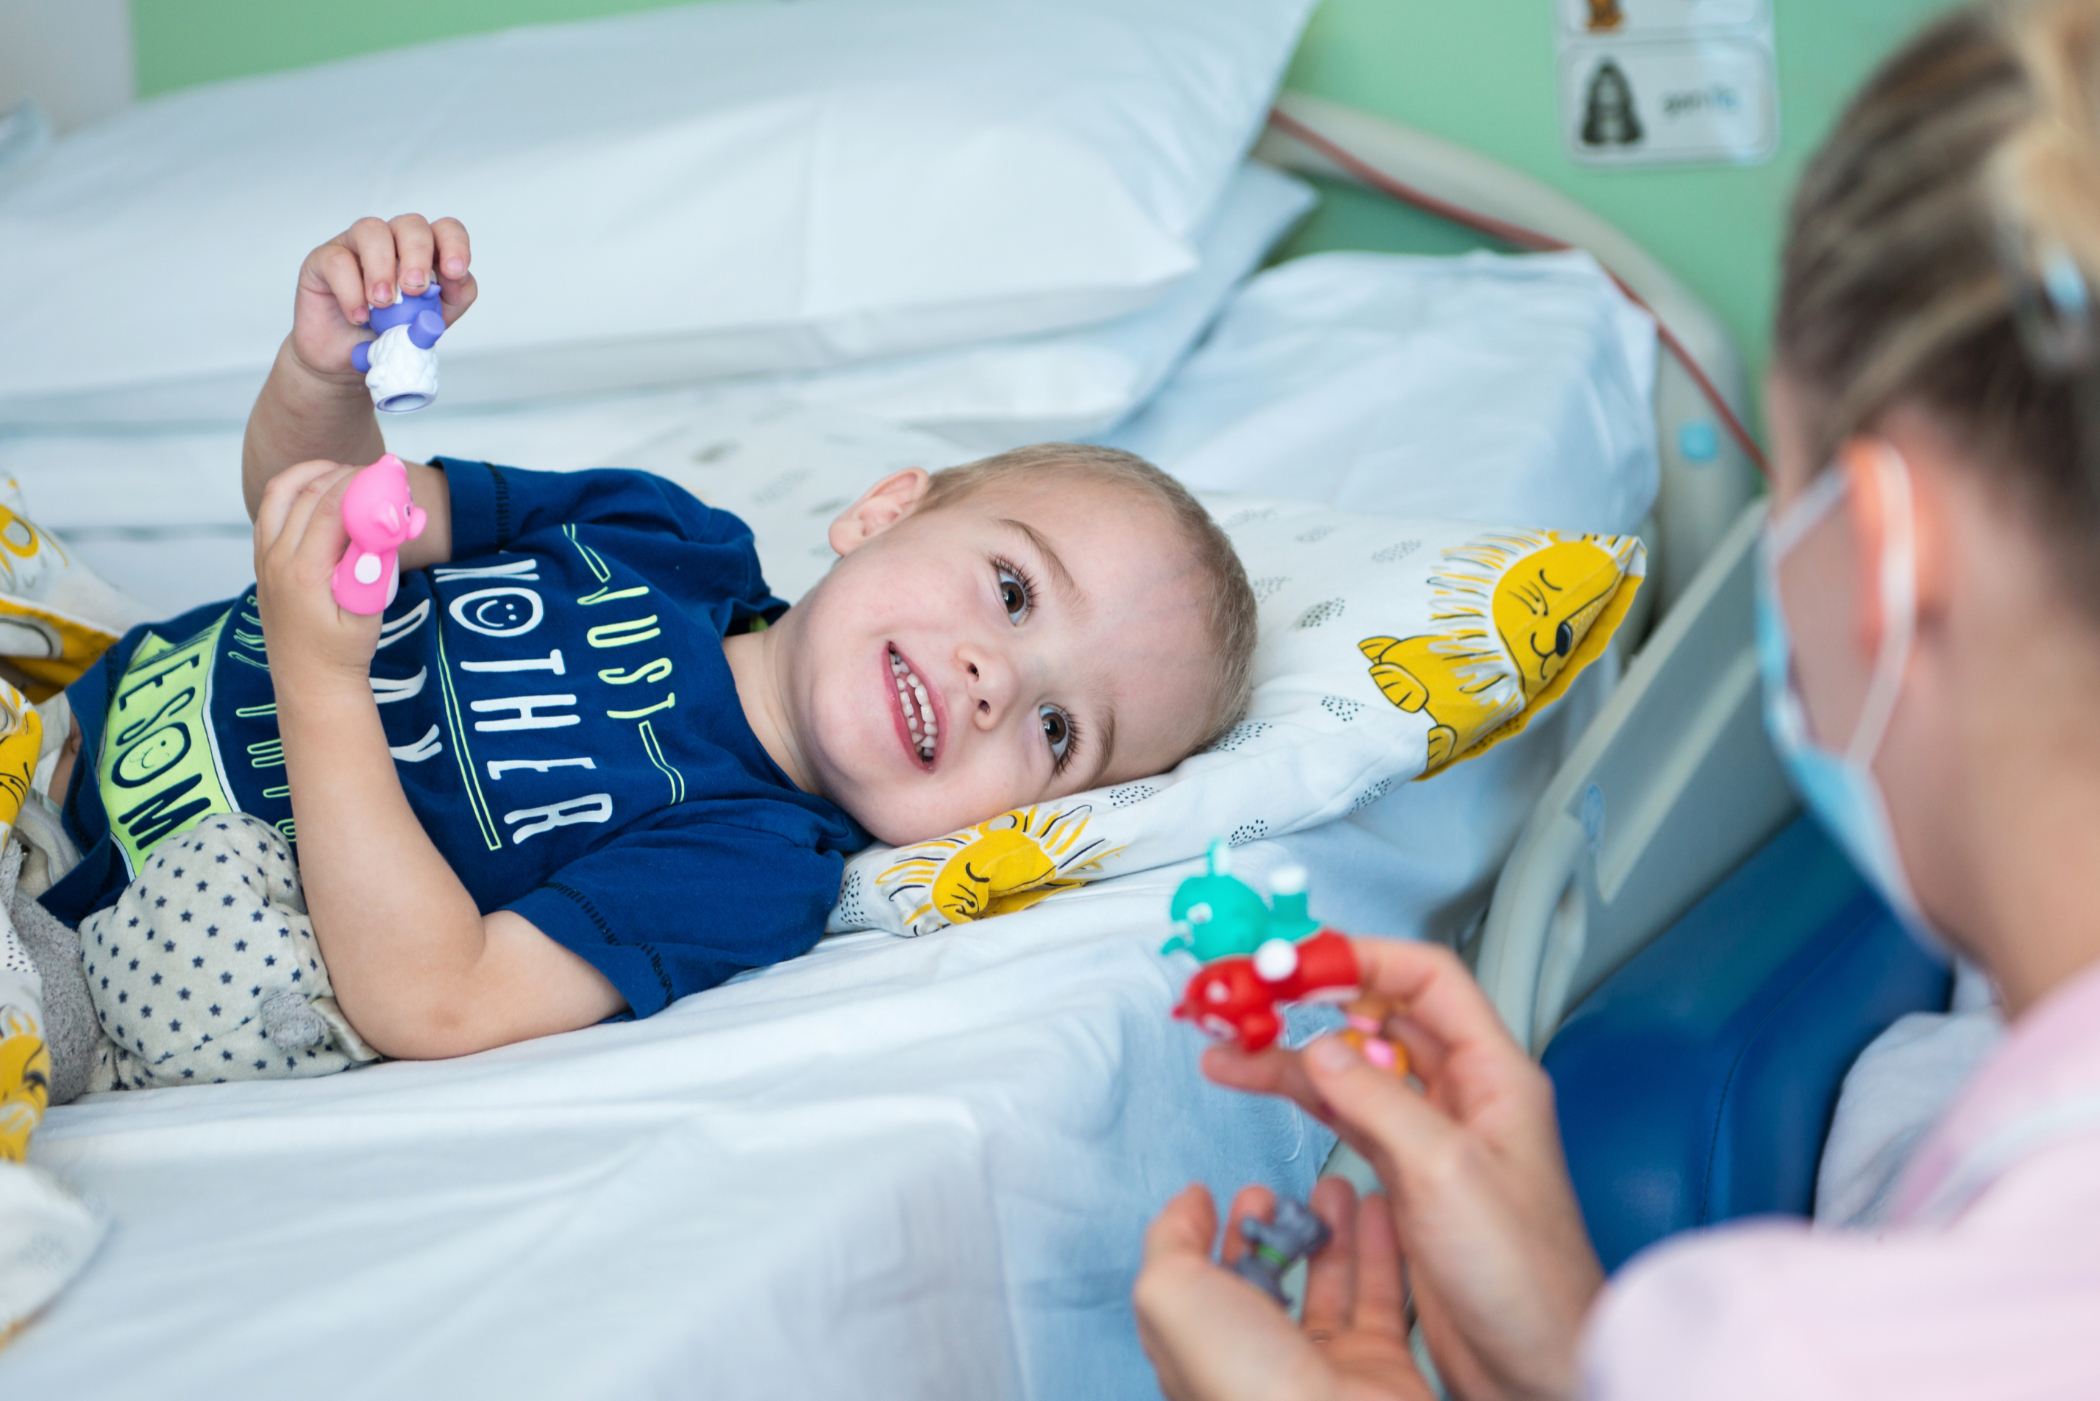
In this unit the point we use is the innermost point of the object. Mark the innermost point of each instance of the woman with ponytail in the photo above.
(1930, 629)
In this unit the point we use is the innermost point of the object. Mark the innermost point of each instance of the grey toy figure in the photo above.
(1275, 1246)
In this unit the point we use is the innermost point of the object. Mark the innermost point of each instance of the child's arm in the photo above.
(417, 969)
(314, 404)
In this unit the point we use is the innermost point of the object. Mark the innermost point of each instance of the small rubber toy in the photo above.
(1236, 999)
(1258, 955)
(381, 517)
(1363, 1026)
(1217, 914)
(1274, 1246)
(400, 368)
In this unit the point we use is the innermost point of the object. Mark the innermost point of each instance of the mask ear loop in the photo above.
(1899, 605)
(1784, 532)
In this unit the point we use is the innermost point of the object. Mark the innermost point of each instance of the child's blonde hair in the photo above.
(1927, 256)
(1232, 610)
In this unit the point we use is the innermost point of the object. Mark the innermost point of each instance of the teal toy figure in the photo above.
(1260, 954)
(1217, 915)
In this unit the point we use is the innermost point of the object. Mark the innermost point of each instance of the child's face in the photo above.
(1056, 628)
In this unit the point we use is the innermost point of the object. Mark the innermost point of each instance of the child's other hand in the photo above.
(372, 264)
(299, 538)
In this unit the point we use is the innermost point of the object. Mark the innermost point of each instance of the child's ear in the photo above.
(880, 507)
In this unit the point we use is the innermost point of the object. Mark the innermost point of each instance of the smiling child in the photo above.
(585, 763)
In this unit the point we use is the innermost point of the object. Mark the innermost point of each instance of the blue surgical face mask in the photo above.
(1839, 786)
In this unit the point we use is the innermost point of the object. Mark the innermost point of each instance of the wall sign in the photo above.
(1668, 82)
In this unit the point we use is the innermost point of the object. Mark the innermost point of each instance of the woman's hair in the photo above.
(1231, 608)
(1930, 259)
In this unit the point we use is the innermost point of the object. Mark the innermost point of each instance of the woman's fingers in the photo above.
(1274, 1071)
(1381, 1291)
(1330, 1278)
(372, 241)
(1442, 1015)
(1210, 1337)
(1186, 1227)
(415, 252)
(1434, 991)
(1257, 1202)
(1407, 1135)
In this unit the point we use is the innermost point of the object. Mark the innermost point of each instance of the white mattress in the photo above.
(890, 1168)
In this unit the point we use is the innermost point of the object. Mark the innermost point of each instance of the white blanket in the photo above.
(910, 1168)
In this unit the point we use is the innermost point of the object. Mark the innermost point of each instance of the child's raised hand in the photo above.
(299, 537)
(371, 264)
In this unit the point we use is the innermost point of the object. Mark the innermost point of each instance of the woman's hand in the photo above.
(315, 647)
(1499, 1263)
(369, 265)
(1214, 1337)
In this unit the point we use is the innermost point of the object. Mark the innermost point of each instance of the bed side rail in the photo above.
(1706, 478)
(1673, 786)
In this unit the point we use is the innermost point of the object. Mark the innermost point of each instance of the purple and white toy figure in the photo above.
(381, 517)
(400, 368)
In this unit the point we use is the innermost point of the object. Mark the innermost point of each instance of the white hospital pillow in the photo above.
(1486, 387)
(659, 197)
(1067, 385)
(1390, 648)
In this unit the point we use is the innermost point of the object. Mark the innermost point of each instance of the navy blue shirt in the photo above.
(561, 715)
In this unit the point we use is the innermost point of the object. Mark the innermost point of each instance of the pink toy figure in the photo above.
(381, 517)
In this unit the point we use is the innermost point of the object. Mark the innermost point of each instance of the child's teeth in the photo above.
(918, 716)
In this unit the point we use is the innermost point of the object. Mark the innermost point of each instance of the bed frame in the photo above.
(1674, 784)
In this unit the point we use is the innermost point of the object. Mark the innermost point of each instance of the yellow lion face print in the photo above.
(21, 741)
(996, 867)
(1450, 679)
(1514, 610)
(49, 648)
(1545, 604)
(25, 1082)
(18, 538)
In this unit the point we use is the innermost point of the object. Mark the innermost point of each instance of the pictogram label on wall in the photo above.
(1661, 82)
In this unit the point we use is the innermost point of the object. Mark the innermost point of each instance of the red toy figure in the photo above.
(1289, 957)
(1235, 999)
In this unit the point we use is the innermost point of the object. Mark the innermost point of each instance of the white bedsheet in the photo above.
(909, 1168)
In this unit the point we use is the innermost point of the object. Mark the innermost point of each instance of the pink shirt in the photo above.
(1985, 1282)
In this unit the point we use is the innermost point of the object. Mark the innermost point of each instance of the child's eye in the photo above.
(1016, 593)
(1057, 729)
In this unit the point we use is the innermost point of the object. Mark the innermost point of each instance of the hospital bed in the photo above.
(892, 1167)
(1715, 963)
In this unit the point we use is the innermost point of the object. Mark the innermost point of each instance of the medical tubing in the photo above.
(1517, 236)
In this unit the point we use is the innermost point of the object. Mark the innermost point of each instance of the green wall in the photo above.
(180, 42)
(1480, 72)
